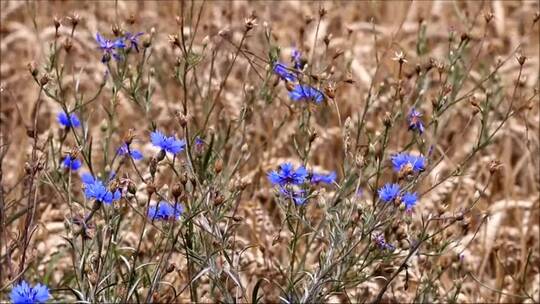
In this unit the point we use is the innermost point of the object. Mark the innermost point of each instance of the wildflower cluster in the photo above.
(114, 47)
(299, 92)
(97, 190)
(289, 179)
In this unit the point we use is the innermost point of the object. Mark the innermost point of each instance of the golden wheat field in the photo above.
(270, 151)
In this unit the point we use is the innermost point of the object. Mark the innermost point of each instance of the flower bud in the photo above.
(218, 166)
(177, 190)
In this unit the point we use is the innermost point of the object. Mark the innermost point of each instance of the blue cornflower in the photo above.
(298, 196)
(305, 92)
(287, 175)
(281, 70)
(133, 40)
(317, 178)
(96, 189)
(71, 163)
(68, 120)
(165, 211)
(169, 144)
(415, 122)
(381, 242)
(297, 59)
(23, 293)
(135, 154)
(389, 192)
(110, 47)
(405, 162)
(409, 199)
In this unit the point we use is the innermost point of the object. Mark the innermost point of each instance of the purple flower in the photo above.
(415, 122)
(68, 120)
(381, 242)
(168, 144)
(405, 161)
(23, 293)
(135, 154)
(133, 40)
(165, 211)
(110, 47)
(389, 192)
(96, 189)
(288, 175)
(297, 59)
(409, 199)
(282, 71)
(317, 178)
(305, 92)
(298, 196)
(71, 163)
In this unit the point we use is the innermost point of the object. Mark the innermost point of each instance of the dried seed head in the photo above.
(327, 38)
(387, 120)
(322, 12)
(494, 166)
(132, 188)
(330, 90)
(68, 44)
(74, 19)
(338, 53)
(32, 69)
(44, 80)
(147, 41)
(182, 119)
(56, 22)
(131, 19)
(128, 137)
(218, 199)
(174, 40)
(521, 59)
(170, 268)
(465, 37)
(117, 31)
(249, 22)
(488, 16)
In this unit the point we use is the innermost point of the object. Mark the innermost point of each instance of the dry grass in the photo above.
(499, 237)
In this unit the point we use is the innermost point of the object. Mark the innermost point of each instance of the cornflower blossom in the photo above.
(134, 153)
(68, 120)
(133, 40)
(110, 47)
(305, 92)
(165, 211)
(317, 178)
(168, 144)
(71, 163)
(381, 242)
(408, 162)
(389, 192)
(23, 293)
(297, 59)
(281, 70)
(96, 189)
(298, 196)
(409, 200)
(415, 122)
(288, 175)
